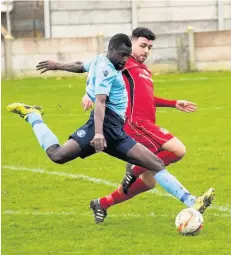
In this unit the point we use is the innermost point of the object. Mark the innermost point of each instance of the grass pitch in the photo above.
(45, 206)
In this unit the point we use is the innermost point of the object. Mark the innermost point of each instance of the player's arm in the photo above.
(99, 141)
(99, 112)
(161, 102)
(50, 65)
(182, 105)
(103, 84)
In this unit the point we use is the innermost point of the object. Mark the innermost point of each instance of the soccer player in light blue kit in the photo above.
(104, 129)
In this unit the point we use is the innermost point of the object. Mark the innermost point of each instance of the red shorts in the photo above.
(148, 134)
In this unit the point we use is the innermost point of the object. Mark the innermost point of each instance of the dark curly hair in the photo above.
(119, 39)
(143, 32)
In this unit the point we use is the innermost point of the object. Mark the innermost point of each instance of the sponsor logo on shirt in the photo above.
(105, 73)
(145, 77)
(164, 131)
(146, 72)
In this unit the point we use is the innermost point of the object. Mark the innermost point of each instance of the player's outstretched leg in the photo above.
(46, 138)
(140, 155)
(99, 212)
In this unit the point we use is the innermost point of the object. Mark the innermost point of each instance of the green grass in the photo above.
(46, 213)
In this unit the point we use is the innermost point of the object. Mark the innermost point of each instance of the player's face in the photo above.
(141, 48)
(119, 56)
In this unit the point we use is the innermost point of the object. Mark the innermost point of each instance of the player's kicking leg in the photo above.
(140, 155)
(57, 153)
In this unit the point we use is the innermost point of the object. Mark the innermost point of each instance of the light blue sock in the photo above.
(174, 187)
(44, 135)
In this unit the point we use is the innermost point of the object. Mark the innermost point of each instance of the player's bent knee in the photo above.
(57, 158)
(180, 151)
(175, 146)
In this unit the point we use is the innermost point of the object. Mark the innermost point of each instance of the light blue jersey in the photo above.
(104, 79)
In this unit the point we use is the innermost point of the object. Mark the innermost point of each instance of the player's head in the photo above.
(119, 49)
(142, 41)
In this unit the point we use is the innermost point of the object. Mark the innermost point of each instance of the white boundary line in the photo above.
(64, 174)
(124, 215)
(225, 208)
(75, 176)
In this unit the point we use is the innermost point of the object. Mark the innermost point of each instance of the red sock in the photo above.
(168, 157)
(118, 196)
(138, 170)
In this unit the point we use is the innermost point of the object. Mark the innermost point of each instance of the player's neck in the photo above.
(133, 57)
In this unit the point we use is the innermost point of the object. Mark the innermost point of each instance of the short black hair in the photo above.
(118, 40)
(143, 32)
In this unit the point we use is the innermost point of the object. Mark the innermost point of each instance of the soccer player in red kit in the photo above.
(141, 125)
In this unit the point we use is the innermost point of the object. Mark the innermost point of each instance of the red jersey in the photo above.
(141, 100)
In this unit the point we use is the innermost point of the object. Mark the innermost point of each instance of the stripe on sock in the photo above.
(184, 197)
(37, 122)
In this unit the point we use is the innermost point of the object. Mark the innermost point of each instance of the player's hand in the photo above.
(47, 65)
(99, 142)
(87, 103)
(186, 106)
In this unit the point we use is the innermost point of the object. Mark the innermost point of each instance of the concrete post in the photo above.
(191, 46)
(220, 15)
(47, 19)
(8, 56)
(8, 22)
(100, 43)
(182, 55)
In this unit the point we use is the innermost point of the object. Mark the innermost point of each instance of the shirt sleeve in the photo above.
(161, 102)
(87, 65)
(104, 80)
